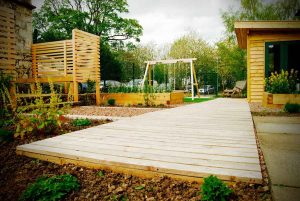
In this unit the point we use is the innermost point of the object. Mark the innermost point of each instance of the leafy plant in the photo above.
(278, 83)
(101, 174)
(6, 135)
(293, 80)
(292, 108)
(213, 189)
(53, 188)
(111, 102)
(137, 89)
(43, 118)
(282, 83)
(5, 98)
(91, 86)
(141, 187)
(81, 122)
(149, 95)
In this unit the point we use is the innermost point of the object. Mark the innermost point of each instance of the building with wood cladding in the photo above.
(271, 46)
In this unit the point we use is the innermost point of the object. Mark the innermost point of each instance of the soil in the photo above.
(111, 111)
(16, 172)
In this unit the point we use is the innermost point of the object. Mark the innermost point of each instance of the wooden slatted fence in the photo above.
(7, 42)
(86, 59)
(52, 59)
(76, 60)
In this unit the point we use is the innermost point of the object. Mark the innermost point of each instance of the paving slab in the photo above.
(283, 193)
(279, 138)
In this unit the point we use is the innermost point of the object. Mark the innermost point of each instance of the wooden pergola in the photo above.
(173, 61)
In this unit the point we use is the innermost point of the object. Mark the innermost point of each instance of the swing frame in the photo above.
(194, 81)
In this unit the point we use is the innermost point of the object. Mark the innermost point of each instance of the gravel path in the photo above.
(111, 111)
(257, 107)
(259, 110)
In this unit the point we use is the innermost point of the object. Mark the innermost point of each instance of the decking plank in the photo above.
(152, 151)
(196, 140)
(160, 142)
(182, 169)
(211, 150)
(203, 141)
(79, 146)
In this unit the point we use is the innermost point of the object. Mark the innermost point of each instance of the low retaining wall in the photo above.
(126, 99)
(279, 100)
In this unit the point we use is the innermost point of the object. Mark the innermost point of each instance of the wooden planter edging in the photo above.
(279, 100)
(126, 99)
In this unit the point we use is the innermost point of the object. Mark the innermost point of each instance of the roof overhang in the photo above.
(25, 3)
(243, 28)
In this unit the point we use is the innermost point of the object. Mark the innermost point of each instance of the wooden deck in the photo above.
(189, 142)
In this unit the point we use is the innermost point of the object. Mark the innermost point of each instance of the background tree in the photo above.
(232, 66)
(57, 18)
(260, 10)
(133, 60)
(231, 63)
(192, 46)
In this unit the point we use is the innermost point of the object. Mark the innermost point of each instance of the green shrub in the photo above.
(53, 188)
(43, 118)
(278, 83)
(293, 80)
(292, 107)
(138, 89)
(282, 83)
(81, 122)
(213, 189)
(6, 111)
(111, 102)
(91, 86)
(6, 135)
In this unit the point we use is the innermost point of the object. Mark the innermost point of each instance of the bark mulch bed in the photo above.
(16, 172)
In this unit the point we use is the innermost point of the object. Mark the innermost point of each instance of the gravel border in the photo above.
(94, 117)
(111, 111)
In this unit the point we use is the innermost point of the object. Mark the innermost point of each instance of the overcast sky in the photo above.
(165, 20)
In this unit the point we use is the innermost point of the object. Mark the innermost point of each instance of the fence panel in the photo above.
(86, 56)
(7, 42)
(52, 59)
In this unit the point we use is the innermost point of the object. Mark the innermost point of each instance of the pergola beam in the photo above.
(171, 61)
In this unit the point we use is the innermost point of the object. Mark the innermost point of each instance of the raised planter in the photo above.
(126, 99)
(279, 100)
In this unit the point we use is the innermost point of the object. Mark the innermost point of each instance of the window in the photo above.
(282, 55)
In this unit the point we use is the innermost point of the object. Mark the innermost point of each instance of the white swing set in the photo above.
(194, 82)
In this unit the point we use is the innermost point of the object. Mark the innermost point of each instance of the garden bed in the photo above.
(17, 172)
(279, 100)
(153, 99)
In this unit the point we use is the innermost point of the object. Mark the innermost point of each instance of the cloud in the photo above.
(165, 20)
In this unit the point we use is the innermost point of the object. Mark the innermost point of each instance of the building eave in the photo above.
(243, 28)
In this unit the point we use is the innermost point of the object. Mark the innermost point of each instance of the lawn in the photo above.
(197, 100)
